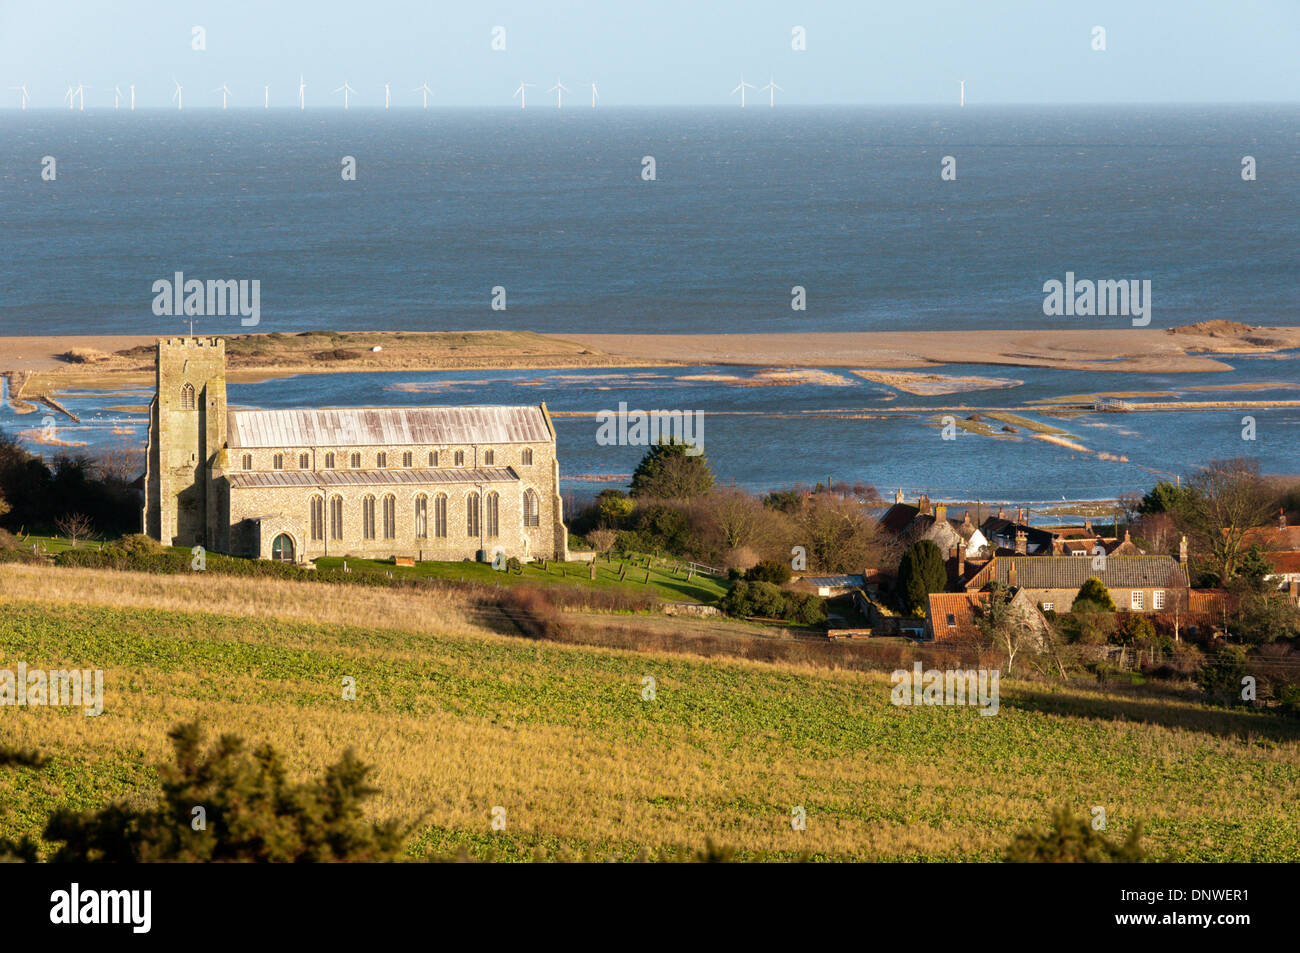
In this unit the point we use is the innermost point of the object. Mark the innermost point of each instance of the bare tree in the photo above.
(1223, 501)
(74, 526)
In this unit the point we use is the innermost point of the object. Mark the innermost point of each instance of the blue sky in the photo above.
(658, 52)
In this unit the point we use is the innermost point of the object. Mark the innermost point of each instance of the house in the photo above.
(1280, 544)
(1136, 583)
(1017, 536)
(909, 524)
(953, 616)
(829, 586)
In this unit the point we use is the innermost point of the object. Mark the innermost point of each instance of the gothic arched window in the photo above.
(421, 517)
(493, 513)
(532, 511)
(390, 516)
(440, 516)
(336, 517)
(317, 518)
(368, 518)
(187, 397)
(472, 516)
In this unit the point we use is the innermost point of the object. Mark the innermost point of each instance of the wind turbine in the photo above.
(559, 89)
(388, 96)
(81, 94)
(266, 96)
(771, 88)
(117, 94)
(224, 90)
(22, 96)
(345, 89)
(963, 92)
(741, 89)
(302, 93)
(70, 97)
(132, 89)
(425, 90)
(593, 95)
(522, 93)
(178, 95)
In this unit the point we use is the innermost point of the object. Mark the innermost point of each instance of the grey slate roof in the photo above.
(415, 477)
(1071, 572)
(385, 427)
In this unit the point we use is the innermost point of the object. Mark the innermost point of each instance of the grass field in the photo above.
(663, 582)
(460, 720)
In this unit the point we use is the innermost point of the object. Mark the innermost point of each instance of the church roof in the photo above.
(329, 478)
(385, 426)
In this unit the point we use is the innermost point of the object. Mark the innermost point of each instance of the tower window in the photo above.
(187, 397)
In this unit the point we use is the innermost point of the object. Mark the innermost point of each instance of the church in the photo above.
(427, 483)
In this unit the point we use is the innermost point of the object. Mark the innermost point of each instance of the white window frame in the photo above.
(1137, 601)
(1158, 599)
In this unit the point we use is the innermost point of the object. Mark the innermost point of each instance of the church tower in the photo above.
(187, 428)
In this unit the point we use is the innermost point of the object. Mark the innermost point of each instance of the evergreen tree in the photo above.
(921, 572)
(668, 472)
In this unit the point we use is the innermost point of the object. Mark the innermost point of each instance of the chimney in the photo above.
(1001, 515)
(1182, 551)
(1013, 580)
(1281, 519)
(1127, 538)
(1022, 542)
(965, 520)
(961, 561)
(940, 513)
(898, 496)
(1087, 526)
(1020, 514)
(923, 505)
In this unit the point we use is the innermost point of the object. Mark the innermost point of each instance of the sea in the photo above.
(680, 221)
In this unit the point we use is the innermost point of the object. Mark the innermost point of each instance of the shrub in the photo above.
(769, 570)
(1220, 677)
(1094, 592)
(1072, 840)
(765, 600)
(253, 813)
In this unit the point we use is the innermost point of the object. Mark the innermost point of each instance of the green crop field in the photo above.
(563, 741)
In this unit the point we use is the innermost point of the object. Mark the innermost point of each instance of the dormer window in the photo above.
(187, 397)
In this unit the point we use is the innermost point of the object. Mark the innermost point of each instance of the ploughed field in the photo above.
(461, 720)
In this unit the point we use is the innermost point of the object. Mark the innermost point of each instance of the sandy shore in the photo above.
(1122, 349)
(262, 356)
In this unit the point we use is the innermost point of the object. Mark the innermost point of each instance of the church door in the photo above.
(282, 548)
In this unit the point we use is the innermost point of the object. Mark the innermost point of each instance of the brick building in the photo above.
(433, 483)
